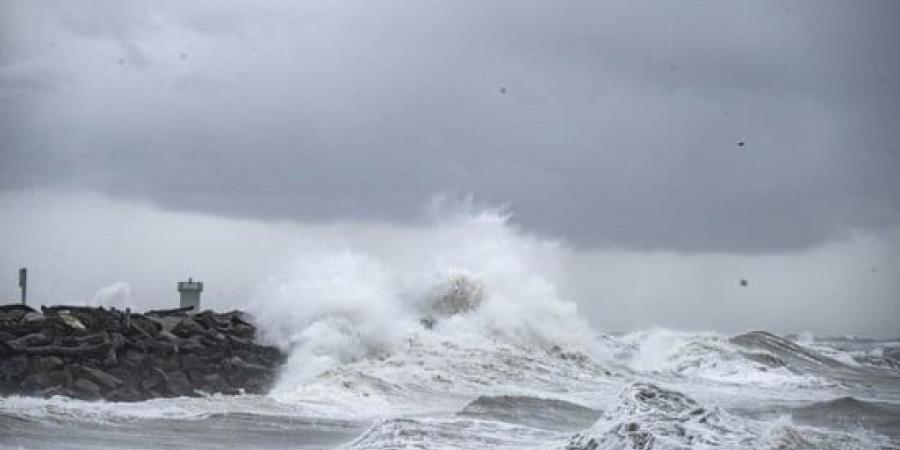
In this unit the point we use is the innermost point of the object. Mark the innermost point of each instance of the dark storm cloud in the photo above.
(608, 124)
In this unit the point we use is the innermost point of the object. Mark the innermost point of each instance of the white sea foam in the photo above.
(708, 356)
(341, 303)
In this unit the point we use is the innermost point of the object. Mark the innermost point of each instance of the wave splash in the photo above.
(372, 314)
(470, 278)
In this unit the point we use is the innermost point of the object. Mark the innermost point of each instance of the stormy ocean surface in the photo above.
(461, 340)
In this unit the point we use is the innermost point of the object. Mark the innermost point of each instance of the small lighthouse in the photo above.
(190, 293)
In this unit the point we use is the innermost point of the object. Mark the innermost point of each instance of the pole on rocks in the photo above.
(23, 283)
(127, 322)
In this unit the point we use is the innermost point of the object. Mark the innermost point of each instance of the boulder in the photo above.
(178, 384)
(71, 321)
(45, 380)
(124, 394)
(99, 377)
(14, 368)
(192, 344)
(45, 363)
(86, 388)
(187, 328)
(13, 307)
(134, 356)
(33, 316)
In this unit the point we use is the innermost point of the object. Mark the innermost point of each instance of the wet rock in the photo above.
(97, 376)
(58, 390)
(193, 344)
(15, 307)
(29, 340)
(45, 380)
(178, 384)
(86, 388)
(14, 368)
(192, 362)
(95, 353)
(71, 322)
(243, 366)
(187, 328)
(134, 356)
(33, 316)
(45, 363)
(148, 384)
(124, 394)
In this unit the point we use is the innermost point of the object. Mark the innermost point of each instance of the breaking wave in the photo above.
(471, 280)
(709, 356)
(647, 416)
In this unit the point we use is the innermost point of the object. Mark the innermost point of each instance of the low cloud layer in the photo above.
(607, 124)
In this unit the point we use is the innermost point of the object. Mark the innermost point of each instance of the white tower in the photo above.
(190, 293)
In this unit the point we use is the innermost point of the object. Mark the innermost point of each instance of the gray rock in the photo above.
(45, 380)
(15, 307)
(87, 388)
(192, 344)
(58, 391)
(134, 356)
(240, 364)
(148, 384)
(29, 340)
(212, 378)
(162, 374)
(88, 353)
(97, 376)
(123, 394)
(71, 321)
(33, 316)
(192, 362)
(186, 328)
(179, 384)
(45, 363)
(214, 383)
(13, 368)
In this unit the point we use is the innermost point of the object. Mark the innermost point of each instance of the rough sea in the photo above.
(462, 341)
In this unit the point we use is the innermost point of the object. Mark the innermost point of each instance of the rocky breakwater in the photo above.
(97, 353)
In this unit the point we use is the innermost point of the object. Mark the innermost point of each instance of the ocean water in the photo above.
(460, 340)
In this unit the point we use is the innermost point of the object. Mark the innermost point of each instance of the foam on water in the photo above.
(64, 409)
(648, 416)
(708, 356)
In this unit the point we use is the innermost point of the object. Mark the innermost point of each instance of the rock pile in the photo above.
(97, 353)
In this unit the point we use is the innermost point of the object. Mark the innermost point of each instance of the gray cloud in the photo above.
(608, 124)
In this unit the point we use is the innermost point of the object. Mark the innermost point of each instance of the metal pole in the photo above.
(23, 283)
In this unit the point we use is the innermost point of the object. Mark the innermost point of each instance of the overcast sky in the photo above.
(612, 126)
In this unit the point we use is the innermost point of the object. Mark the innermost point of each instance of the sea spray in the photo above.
(117, 295)
(355, 297)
